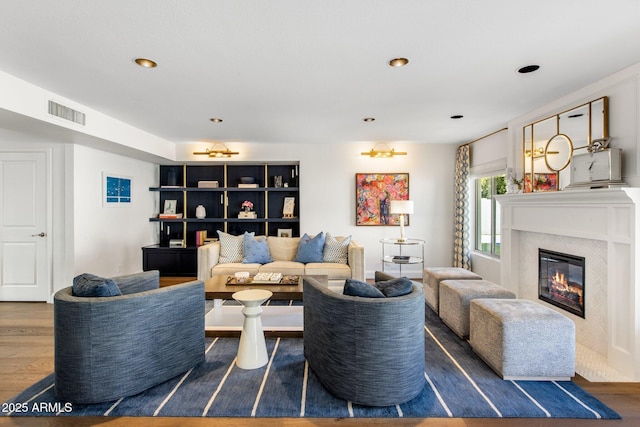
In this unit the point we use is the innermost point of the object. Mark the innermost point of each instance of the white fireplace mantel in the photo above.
(609, 219)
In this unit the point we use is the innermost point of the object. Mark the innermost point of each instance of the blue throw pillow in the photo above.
(357, 288)
(310, 250)
(255, 250)
(395, 287)
(90, 285)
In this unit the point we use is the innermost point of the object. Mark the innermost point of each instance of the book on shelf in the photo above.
(248, 215)
(201, 237)
(400, 259)
(247, 185)
(170, 215)
(207, 184)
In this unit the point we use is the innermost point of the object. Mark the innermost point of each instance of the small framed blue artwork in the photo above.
(116, 190)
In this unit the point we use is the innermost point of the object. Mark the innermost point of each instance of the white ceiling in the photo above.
(309, 71)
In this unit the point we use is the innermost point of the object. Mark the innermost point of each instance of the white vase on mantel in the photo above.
(513, 188)
(201, 212)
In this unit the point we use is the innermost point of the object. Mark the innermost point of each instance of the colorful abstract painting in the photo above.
(374, 192)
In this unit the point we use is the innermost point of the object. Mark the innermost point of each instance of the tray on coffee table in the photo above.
(284, 280)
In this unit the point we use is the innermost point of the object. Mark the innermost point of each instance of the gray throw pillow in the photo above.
(90, 285)
(357, 288)
(395, 287)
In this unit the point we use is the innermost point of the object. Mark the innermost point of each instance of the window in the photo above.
(488, 214)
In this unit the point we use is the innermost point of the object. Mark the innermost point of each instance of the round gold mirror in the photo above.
(558, 152)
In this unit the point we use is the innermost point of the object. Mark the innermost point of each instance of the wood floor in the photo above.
(26, 355)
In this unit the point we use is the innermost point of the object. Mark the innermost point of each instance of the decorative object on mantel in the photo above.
(382, 150)
(246, 212)
(514, 185)
(218, 150)
(402, 208)
(597, 169)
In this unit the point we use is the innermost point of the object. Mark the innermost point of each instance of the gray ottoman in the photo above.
(432, 276)
(523, 340)
(456, 295)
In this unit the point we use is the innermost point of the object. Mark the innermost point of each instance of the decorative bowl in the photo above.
(247, 180)
(242, 276)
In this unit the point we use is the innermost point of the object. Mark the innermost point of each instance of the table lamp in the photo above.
(401, 207)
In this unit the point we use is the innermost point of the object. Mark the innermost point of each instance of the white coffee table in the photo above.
(252, 351)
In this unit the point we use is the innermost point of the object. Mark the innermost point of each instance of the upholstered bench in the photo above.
(523, 340)
(456, 295)
(432, 276)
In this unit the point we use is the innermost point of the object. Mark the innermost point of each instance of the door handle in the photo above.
(39, 235)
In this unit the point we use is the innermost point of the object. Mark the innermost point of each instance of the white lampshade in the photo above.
(401, 207)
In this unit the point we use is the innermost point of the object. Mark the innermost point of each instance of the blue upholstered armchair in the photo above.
(366, 350)
(110, 347)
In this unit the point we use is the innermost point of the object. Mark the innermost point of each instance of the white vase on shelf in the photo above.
(201, 212)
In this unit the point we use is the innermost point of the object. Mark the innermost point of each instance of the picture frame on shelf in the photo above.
(542, 182)
(288, 207)
(170, 206)
(116, 190)
(374, 193)
(285, 232)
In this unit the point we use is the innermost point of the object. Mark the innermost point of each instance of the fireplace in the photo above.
(561, 280)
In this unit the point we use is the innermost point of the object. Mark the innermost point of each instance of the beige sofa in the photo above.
(283, 250)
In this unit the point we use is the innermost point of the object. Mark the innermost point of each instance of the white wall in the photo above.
(327, 195)
(108, 240)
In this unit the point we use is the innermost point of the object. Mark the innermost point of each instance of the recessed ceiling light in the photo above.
(528, 69)
(457, 116)
(369, 119)
(216, 120)
(398, 62)
(146, 63)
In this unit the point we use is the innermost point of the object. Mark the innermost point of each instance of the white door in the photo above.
(24, 253)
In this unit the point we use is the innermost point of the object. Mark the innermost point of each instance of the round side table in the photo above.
(252, 351)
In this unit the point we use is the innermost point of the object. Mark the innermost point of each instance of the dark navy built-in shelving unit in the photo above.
(222, 205)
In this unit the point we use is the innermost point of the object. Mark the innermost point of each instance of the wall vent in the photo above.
(66, 113)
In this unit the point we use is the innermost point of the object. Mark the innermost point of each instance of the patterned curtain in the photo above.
(461, 257)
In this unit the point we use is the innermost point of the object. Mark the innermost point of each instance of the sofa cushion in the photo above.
(230, 247)
(287, 268)
(255, 249)
(90, 285)
(333, 270)
(336, 250)
(310, 249)
(357, 288)
(283, 248)
(395, 287)
(231, 268)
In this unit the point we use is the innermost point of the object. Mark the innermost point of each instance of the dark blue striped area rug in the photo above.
(456, 384)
